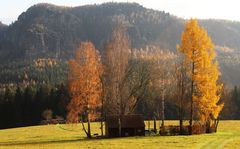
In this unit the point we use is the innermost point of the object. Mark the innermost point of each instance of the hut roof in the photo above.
(127, 121)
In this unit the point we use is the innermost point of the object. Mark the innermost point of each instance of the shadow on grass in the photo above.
(66, 141)
(40, 142)
(78, 139)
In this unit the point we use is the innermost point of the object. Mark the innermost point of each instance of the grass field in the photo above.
(68, 136)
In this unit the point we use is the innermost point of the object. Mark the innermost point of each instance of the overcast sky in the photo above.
(202, 9)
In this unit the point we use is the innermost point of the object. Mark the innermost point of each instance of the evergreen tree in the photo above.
(18, 99)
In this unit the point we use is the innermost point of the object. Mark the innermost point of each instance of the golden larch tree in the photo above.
(202, 68)
(85, 85)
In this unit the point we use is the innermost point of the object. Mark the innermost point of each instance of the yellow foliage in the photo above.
(41, 62)
(199, 54)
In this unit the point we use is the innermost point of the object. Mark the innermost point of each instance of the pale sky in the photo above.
(201, 9)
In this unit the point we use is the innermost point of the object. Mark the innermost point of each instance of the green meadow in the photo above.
(72, 136)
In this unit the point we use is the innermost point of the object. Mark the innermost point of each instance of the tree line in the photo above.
(125, 76)
(123, 80)
(18, 105)
(24, 105)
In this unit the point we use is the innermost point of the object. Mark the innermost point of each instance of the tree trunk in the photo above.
(102, 109)
(216, 121)
(119, 126)
(102, 127)
(208, 126)
(181, 117)
(163, 107)
(154, 125)
(120, 113)
(181, 103)
(89, 127)
(149, 127)
(84, 128)
(191, 108)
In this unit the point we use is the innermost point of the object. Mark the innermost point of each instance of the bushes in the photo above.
(211, 129)
(47, 114)
(197, 129)
(170, 130)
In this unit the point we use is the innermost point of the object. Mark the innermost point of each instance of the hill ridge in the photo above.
(50, 31)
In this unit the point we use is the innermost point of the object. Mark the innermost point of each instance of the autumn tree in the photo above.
(160, 77)
(85, 85)
(199, 54)
(116, 58)
(125, 76)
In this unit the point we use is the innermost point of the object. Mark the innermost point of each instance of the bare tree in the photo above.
(137, 79)
(160, 76)
(182, 85)
(116, 63)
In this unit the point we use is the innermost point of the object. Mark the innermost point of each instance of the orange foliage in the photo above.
(85, 86)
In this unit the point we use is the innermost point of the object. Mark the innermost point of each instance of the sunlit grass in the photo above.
(68, 136)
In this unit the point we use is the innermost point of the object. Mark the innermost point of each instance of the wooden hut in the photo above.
(131, 125)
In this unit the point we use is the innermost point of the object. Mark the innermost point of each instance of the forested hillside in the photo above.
(49, 31)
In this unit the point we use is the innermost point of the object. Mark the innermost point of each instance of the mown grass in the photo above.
(68, 136)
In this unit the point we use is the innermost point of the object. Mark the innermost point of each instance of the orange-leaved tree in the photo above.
(202, 68)
(85, 85)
